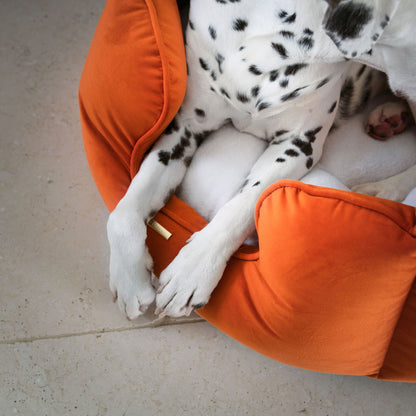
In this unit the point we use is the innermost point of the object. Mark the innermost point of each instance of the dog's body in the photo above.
(271, 69)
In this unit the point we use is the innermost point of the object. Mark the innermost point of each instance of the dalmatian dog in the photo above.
(274, 69)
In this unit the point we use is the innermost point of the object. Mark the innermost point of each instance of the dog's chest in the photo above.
(258, 55)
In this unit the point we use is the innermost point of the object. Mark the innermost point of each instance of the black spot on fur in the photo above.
(213, 75)
(323, 82)
(263, 105)
(255, 91)
(292, 153)
(348, 19)
(280, 49)
(203, 64)
(177, 152)
(290, 19)
(305, 147)
(212, 32)
(306, 42)
(254, 70)
(242, 97)
(307, 31)
(185, 141)
(220, 59)
(274, 75)
(164, 157)
(191, 25)
(173, 126)
(225, 93)
(332, 108)
(287, 34)
(256, 184)
(347, 93)
(295, 93)
(200, 137)
(284, 83)
(199, 112)
(365, 94)
(309, 163)
(385, 22)
(280, 132)
(311, 134)
(286, 18)
(360, 72)
(240, 24)
(294, 69)
(280, 160)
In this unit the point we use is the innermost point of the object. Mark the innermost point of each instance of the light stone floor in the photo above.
(64, 348)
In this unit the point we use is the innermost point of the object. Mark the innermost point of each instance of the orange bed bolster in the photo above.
(132, 85)
(330, 288)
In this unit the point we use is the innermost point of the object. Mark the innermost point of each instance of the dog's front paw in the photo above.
(130, 264)
(386, 189)
(187, 283)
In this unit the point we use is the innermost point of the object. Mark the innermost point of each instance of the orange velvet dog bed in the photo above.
(331, 287)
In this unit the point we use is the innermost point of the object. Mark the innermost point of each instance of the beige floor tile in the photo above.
(188, 369)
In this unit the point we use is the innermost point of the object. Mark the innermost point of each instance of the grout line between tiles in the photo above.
(154, 324)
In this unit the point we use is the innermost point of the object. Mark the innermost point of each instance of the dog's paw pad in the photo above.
(388, 120)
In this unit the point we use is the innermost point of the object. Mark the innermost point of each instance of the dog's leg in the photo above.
(396, 187)
(159, 176)
(130, 262)
(188, 282)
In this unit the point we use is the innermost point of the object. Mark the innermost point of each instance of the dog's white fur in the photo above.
(349, 157)
(188, 282)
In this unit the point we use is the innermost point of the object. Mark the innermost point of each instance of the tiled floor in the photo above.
(64, 348)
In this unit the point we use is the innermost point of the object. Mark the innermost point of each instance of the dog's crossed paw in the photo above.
(187, 283)
(130, 264)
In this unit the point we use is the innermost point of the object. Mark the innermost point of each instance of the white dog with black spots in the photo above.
(274, 69)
